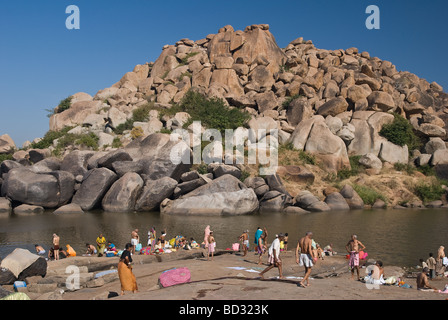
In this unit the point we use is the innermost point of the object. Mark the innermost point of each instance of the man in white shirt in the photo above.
(274, 257)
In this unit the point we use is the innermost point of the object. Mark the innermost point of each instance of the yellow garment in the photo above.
(101, 244)
(70, 251)
(127, 278)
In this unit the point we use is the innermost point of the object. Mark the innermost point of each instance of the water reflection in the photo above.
(398, 237)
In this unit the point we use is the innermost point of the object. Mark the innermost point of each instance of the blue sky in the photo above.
(42, 62)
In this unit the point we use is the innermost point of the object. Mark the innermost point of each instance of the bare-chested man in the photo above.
(306, 258)
(39, 249)
(353, 247)
(90, 249)
(422, 281)
(56, 246)
(245, 239)
(135, 239)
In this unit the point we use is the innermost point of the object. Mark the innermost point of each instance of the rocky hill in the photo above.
(342, 119)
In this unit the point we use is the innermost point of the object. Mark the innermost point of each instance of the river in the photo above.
(397, 237)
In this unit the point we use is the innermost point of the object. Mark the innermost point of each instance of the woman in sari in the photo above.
(100, 244)
(152, 238)
(440, 268)
(206, 234)
(127, 278)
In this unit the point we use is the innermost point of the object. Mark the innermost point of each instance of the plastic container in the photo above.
(19, 284)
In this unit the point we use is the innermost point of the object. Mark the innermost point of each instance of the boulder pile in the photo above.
(329, 103)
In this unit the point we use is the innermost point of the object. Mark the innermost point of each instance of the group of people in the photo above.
(436, 266)
(307, 253)
(432, 268)
(101, 247)
(55, 252)
(156, 245)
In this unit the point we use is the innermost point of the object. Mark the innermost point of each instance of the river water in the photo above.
(397, 237)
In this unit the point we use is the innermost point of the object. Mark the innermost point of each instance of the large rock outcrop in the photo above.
(94, 186)
(21, 264)
(225, 195)
(329, 103)
(49, 190)
(123, 194)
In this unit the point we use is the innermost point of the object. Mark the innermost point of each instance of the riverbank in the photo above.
(231, 276)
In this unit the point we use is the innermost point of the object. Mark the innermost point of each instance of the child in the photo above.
(285, 242)
(158, 248)
(193, 243)
(211, 245)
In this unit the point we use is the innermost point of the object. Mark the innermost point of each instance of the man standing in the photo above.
(431, 263)
(56, 246)
(134, 240)
(274, 257)
(245, 239)
(353, 247)
(306, 258)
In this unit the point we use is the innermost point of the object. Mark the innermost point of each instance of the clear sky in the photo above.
(42, 62)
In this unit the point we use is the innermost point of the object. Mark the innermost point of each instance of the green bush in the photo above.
(184, 61)
(89, 140)
(427, 170)
(354, 170)
(202, 168)
(48, 138)
(400, 132)
(290, 99)
(286, 146)
(117, 143)
(165, 130)
(244, 175)
(405, 167)
(128, 125)
(283, 68)
(354, 164)
(141, 114)
(63, 105)
(307, 158)
(288, 155)
(431, 191)
(368, 195)
(212, 112)
(344, 173)
(5, 156)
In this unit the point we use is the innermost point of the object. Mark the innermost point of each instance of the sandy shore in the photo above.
(219, 280)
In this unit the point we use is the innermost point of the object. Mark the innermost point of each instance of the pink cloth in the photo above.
(175, 276)
(206, 234)
(211, 247)
(354, 259)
